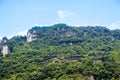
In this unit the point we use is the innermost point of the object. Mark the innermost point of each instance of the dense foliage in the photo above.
(62, 52)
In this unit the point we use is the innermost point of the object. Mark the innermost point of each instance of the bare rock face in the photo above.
(30, 37)
(70, 33)
(90, 77)
(5, 50)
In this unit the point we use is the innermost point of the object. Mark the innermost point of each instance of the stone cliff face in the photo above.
(70, 33)
(31, 36)
(5, 50)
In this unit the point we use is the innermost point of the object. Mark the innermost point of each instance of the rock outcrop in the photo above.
(31, 36)
(70, 33)
(5, 50)
(91, 77)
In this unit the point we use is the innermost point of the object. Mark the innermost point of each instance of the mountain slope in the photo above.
(63, 52)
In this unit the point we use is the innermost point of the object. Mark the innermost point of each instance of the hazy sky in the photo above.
(17, 16)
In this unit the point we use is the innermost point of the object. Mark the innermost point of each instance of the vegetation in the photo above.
(62, 52)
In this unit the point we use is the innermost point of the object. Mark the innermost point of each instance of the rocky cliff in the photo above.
(30, 37)
(5, 50)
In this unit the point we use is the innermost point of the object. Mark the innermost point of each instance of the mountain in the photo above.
(62, 52)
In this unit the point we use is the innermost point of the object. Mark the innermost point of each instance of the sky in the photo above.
(17, 16)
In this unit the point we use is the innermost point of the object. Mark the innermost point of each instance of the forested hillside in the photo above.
(62, 52)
